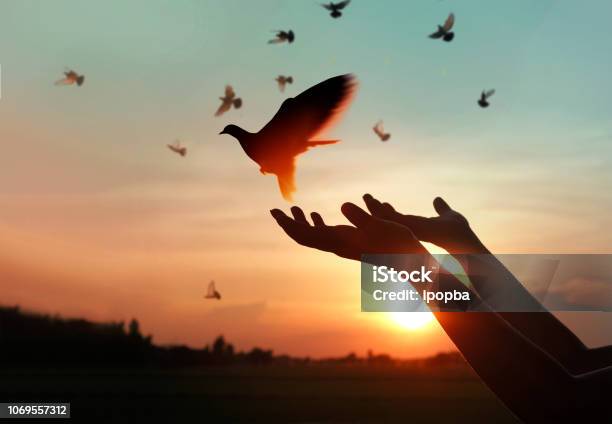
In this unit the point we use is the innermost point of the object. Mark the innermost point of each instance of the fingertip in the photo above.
(347, 207)
(367, 197)
(440, 205)
(276, 213)
(317, 219)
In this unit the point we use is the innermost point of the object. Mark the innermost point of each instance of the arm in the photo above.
(451, 231)
(528, 380)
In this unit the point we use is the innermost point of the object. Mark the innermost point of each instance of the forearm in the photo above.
(531, 383)
(503, 292)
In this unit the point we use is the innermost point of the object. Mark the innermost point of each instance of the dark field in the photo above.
(279, 393)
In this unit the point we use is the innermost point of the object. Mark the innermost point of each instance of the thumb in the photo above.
(357, 216)
(441, 206)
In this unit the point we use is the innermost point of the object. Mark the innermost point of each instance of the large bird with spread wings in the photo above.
(380, 131)
(295, 128)
(444, 31)
(176, 147)
(70, 78)
(228, 101)
(484, 98)
(211, 292)
(335, 8)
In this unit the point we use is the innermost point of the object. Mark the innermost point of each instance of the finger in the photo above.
(317, 219)
(372, 203)
(298, 214)
(387, 211)
(441, 206)
(281, 218)
(357, 216)
(294, 229)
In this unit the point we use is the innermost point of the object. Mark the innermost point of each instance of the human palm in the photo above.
(449, 230)
(368, 234)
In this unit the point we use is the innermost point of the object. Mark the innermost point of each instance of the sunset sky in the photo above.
(100, 220)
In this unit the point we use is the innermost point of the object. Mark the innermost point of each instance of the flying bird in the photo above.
(211, 292)
(282, 36)
(444, 31)
(177, 148)
(282, 81)
(484, 96)
(380, 131)
(335, 8)
(70, 78)
(295, 128)
(228, 101)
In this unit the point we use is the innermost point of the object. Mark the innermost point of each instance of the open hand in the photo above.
(449, 230)
(369, 234)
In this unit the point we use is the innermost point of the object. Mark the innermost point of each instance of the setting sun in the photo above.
(412, 320)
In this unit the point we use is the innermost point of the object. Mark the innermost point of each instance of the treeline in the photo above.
(36, 340)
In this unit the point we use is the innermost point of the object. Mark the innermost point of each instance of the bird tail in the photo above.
(315, 143)
(286, 180)
(80, 80)
(290, 80)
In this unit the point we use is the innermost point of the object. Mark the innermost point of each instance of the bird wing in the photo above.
(489, 93)
(225, 106)
(328, 6)
(229, 91)
(64, 81)
(342, 4)
(450, 21)
(438, 34)
(210, 291)
(305, 116)
(285, 174)
(376, 127)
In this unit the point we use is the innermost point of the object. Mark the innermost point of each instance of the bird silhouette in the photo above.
(228, 101)
(211, 291)
(484, 96)
(177, 148)
(380, 131)
(282, 36)
(295, 128)
(282, 81)
(70, 78)
(444, 31)
(335, 8)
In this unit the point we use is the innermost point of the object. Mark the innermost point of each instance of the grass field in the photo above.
(304, 393)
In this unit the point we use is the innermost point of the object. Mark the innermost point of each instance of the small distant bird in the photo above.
(482, 102)
(177, 148)
(70, 78)
(282, 81)
(380, 131)
(282, 36)
(211, 292)
(295, 128)
(444, 31)
(335, 8)
(228, 100)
